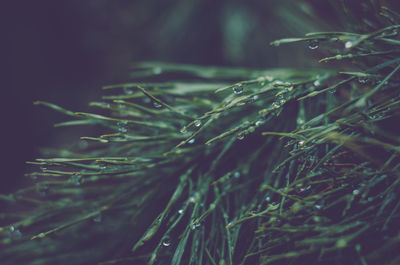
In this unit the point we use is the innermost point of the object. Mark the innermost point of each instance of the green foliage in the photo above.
(201, 165)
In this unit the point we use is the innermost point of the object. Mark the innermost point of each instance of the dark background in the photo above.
(64, 51)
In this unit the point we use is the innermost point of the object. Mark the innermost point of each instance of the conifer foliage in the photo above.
(211, 165)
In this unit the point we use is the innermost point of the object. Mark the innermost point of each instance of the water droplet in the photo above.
(301, 143)
(14, 233)
(43, 168)
(127, 90)
(76, 179)
(157, 105)
(194, 198)
(258, 123)
(166, 242)
(276, 105)
(146, 100)
(362, 79)
(191, 141)
(316, 219)
(236, 174)
(102, 166)
(157, 70)
(313, 44)
(183, 129)
(341, 243)
(122, 127)
(318, 206)
(356, 192)
(197, 123)
(238, 89)
(42, 189)
(195, 226)
(97, 218)
(181, 211)
(300, 121)
(251, 129)
(83, 144)
(348, 44)
(317, 83)
(267, 199)
(240, 136)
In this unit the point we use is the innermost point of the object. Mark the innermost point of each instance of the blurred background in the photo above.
(64, 51)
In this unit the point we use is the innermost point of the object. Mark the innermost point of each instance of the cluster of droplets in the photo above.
(122, 127)
(374, 115)
(195, 226)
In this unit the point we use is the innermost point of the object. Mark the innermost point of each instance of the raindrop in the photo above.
(102, 166)
(362, 79)
(194, 198)
(181, 211)
(236, 175)
(348, 44)
(316, 219)
(318, 206)
(238, 89)
(267, 199)
(317, 83)
(279, 83)
(183, 129)
(76, 179)
(313, 44)
(275, 43)
(356, 192)
(14, 233)
(146, 100)
(43, 168)
(197, 123)
(157, 105)
(276, 105)
(258, 123)
(300, 121)
(122, 127)
(97, 218)
(83, 144)
(157, 70)
(195, 226)
(166, 242)
(127, 90)
(240, 136)
(42, 189)
(191, 141)
(121, 107)
(251, 129)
